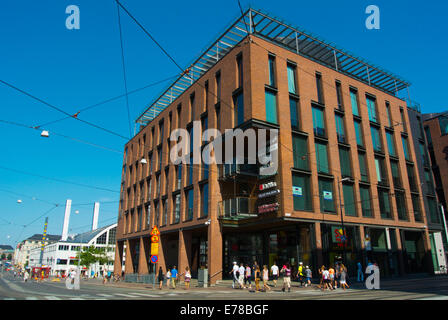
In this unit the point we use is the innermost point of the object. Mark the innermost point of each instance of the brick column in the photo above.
(215, 243)
(184, 253)
(143, 256)
(400, 251)
(318, 242)
(118, 258)
(161, 262)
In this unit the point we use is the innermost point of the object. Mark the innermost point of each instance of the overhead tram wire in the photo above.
(61, 135)
(124, 69)
(58, 180)
(75, 116)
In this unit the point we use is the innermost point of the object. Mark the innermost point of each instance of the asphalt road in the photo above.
(419, 288)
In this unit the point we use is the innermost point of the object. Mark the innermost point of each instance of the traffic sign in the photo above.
(154, 259)
(155, 239)
(154, 248)
(155, 231)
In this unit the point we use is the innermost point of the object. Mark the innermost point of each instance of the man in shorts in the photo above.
(274, 273)
(235, 272)
(241, 271)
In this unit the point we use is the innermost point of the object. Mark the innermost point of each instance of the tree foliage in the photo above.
(92, 255)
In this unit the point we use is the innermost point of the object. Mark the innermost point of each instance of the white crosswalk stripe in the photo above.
(9, 299)
(144, 294)
(126, 295)
(105, 295)
(434, 298)
(31, 298)
(52, 298)
(77, 298)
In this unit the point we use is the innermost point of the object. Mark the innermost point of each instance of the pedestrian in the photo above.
(241, 271)
(168, 278)
(187, 278)
(25, 276)
(326, 279)
(104, 276)
(160, 278)
(274, 273)
(254, 267)
(235, 274)
(360, 273)
(72, 276)
(257, 278)
(174, 277)
(331, 272)
(300, 274)
(248, 276)
(343, 280)
(308, 275)
(286, 269)
(266, 278)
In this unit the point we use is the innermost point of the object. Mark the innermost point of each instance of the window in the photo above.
(322, 158)
(433, 210)
(429, 182)
(239, 68)
(167, 177)
(157, 211)
(371, 108)
(271, 106)
(389, 117)
(161, 132)
(376, 139)
(340, 128)
(177, 208)
(320, 94)
(383, 197)
(349, 200)
(300, 152)
(148, 215)
(62, 261)
(395, 174)
(157, 185)
(339, 95)
(159, 157)
(192, 107)
(204, 124)
(380, 171)
(294, 110)
(401, 205)
(179, 109)
(271, 79)
(149, 184)
(411, 177)
(344, 158)
(364, 192)
(428, 136)
(292, 82)
(218, 118)
(301, 192)
(416, 207)
(63, 247)
(358, 132)
(326, 196)
(238, 108)
(363, 167)
(139, 223)
(424, 154)
(205, 170)
(318, 122)
(165, 212)
(204, 199)
(190, 171)
(218, 86)
(403, 120)
(390, 143)
(404, 140)
(443, 123)
(178, 176)
(206, 95)
(354, 101)
(189, 199)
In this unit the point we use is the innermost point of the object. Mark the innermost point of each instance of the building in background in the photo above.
(431, 196)
(347, 186)
(7, 251)
(61, 256)
(24, 248)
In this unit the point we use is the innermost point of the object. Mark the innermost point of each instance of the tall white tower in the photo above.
(96, 210)
(68, 207)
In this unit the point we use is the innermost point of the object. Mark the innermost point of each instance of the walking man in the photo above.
(300, 274)
(241, 271)
(287, 277)
(360, 273)
(234, 271)
(174, 277)
(274, 273)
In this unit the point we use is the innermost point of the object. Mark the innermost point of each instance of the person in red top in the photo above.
(287, 277)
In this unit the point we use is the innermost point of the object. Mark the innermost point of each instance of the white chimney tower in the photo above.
(96, 210)
(68, 207)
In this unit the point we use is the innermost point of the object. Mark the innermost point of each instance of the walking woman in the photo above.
(257, 278)
(168, 278)
(266, 278)
(287, 277)
(343, 279)
(187, 278)
(247, 277)
(160, 278)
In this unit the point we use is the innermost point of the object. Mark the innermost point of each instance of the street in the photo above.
(409, 288)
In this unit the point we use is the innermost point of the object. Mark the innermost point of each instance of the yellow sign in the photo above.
(155, 231)
(155, 239)
(154, 248)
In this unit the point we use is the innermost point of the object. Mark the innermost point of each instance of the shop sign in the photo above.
(268, 207)
(268, 185)
(296, 191)
(367, 243)
(328, 195)
(269, 193)
(338, 236)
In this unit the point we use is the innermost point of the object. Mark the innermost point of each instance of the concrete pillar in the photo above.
(184, 252)
(128, 267)
(118, 263)
(215, 249)
(318, 242)
(143, 256)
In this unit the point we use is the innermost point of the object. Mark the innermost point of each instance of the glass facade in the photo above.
(340, 128)
(344, 157)
(363, 167)
(271, 107)
(292, 86)
(322, 158)
(443, 123)
(395, 174)
(401, 205)
(366, 206)
(238, 106)
(349, 200)
(318, 122)
(384, 200)
(354, 101)
(326, 196)
(371, 108)
(405, 148)
(301, 192)
(300, 152)
(358, 132)
(376, 139)
(204, 200)
(390, 143)
(294, 110)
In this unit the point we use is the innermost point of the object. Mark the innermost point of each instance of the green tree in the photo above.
(92, 255)
(9, 257)
(3, 256)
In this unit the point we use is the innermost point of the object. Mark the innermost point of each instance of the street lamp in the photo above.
(342, 216)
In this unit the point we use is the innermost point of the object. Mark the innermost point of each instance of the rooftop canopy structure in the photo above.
(258, 23)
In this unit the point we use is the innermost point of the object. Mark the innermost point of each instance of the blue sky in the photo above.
(72, 69)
